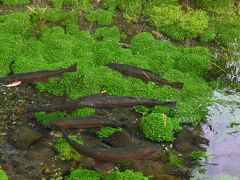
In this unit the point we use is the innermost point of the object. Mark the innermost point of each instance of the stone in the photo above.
(23, 137)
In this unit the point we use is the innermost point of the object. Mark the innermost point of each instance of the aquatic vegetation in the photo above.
(174, 160)
(84, 174)
(126, 175)
(83, 112)
(199, 157)
(14, 2)
(158, 128)
(194, 22)
(107, 131)
(106, 33)
(169, 19)
(217, 6)
(131, 9)
(65, 151)
(3, 175)
(101, 16)
(43, 118)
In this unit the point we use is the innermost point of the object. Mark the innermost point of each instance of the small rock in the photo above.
(23, 137)
(105, 168)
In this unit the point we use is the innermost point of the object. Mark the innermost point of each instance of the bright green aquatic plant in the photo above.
(101, 16)
(216, 6)
(83, 112)
(158, 127)
(3, 175)
(107, 131)
(131, 9)
(194, 23)
(84, 174)
(199, 157)
(65, 151)
(175, 161)
(15, 2)
(169, 19)
(43, 118)
(126, 175)
(106, 33)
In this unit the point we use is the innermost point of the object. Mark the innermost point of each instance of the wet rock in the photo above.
(167, 177)
(121, 139)
(86, 162)
(23, 137)
(151, 168)
(105, 168)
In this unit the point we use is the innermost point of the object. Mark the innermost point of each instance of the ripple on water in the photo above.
(223, 133)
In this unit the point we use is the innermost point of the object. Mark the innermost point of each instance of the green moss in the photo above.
(111, 5)
(43, 118)
(107, 131)
(83, 5)
(126, 175)
(164, 15)
(84, 112)
(216, 6)
(14, 23)
(65, 151)
(194, 23)
(14, 2)
(175, 161)
(101, 16)
(3, 175)
(142, 110)
(199, 157)
(106, 33)
(131, 9)
(169, 19)
(84, 174)
(155, 129)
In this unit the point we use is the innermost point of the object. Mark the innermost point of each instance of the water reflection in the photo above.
(223, 133)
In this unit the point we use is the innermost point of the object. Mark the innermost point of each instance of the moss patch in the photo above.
(156, 128)
(126, 175)
(107, 131)
(3, 175)
(65, 151)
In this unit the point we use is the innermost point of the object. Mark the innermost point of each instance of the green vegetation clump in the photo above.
(216, 6)
(131, 9)
(43, 118)
(169, 19)
(126, 175)
(14, 2)
(106, 33)
(175, 161)
(107, 131)
(155, 128)
(83, 112)
(3, 175)
(194, 23)
(84, 174)
(82, 5)
(101, 16)
(199, 157)
(65, 151)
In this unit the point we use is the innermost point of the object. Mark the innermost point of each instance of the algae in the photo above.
(65, 151)
(84, 174)
(107, 131)
(3, 175)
